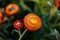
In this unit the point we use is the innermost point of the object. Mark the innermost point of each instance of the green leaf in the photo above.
(52, 12)
(25, 7)
(15, 31)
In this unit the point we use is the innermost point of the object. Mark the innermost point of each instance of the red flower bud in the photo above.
(18, 24)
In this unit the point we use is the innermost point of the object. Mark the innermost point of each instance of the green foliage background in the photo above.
(46, 9)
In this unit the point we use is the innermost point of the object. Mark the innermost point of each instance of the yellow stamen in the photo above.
(33, 21)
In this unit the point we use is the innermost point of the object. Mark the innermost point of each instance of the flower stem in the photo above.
(21, 35)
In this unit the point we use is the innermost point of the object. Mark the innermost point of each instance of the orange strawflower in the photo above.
(32, 22)
(11, 9)
(57, 3)
(0, 17)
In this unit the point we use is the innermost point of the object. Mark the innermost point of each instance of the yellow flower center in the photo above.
(33, 21)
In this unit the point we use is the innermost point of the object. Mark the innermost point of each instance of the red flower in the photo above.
(32, 22)
(18, 24)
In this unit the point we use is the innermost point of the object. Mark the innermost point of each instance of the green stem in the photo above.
(56, 21)
(24, 6)
(21, 35)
